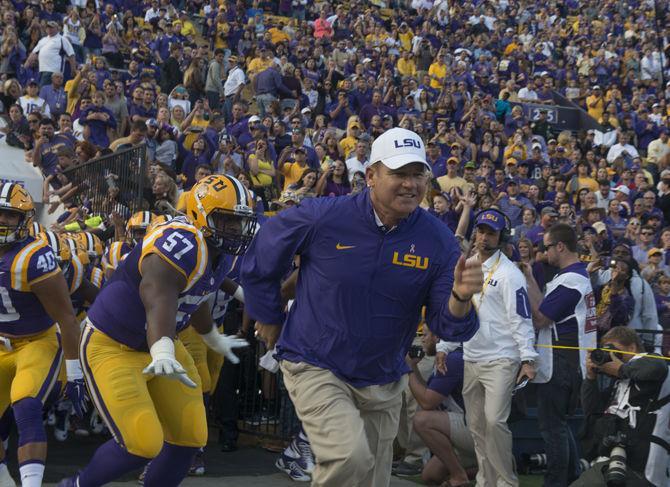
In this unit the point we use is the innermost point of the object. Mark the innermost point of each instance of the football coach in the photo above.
(368, 264)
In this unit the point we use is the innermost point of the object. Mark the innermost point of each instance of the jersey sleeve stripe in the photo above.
(96, 277)
(78, 274)
(19, 269)
(201, 262)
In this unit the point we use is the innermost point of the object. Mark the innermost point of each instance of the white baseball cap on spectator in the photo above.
(398, 147)
(599, 227)
(623, 189)
(306, 110)
(254, 118)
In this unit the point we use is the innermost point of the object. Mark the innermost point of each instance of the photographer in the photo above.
(627, 422)
(441, 420)
(644, 316)
(615, 302)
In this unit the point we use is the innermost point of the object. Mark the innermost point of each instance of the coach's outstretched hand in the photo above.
(468, 277)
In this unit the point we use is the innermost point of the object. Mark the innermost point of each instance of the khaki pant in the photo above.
(487, 392)
(408, 440)
(351, 430)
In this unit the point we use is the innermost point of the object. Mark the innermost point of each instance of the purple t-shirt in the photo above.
(451, 383)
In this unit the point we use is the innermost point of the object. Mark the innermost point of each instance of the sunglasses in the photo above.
(646, 233)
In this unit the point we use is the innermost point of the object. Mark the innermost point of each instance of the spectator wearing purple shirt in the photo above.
(512, 204)
(548, 216)
(434, 157)
(55, 95)
(375, 107)
(268, 85)
(98, 120)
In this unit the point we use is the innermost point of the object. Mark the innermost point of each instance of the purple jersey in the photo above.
(118, 310)
(24, 264)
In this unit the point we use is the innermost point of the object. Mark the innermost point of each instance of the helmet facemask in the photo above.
(230, 231)
(15, 233)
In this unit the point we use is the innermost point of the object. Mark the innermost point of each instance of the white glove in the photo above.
(224, 344)
(163, 362)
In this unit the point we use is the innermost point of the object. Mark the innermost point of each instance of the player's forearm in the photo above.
(69, 330)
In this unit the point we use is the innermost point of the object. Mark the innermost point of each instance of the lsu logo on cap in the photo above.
(490, 216)
(409, 260)
(399, 144)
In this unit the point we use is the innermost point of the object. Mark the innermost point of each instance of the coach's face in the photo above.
(396, 193)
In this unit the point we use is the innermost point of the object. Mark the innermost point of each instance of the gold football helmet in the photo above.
(76, 248)
(60, 248)
(35, 229)
(15, 199)
(137, 226)
(91, 242)
(219, 206)
(159, 220)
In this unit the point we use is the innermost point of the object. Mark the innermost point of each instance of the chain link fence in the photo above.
(114, 182)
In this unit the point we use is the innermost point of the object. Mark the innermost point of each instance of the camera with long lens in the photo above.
(602, 356)
(615, 475)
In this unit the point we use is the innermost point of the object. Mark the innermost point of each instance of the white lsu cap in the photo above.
(398, 147)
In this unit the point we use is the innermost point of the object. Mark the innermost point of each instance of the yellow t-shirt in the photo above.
(406, 40)
(440, 72)
(262, 179)
(256, 65)
(348, 144)
(292, 172)
(406, 67)
(221, 28)
(278, 35)
(597, 111)
(191, 137)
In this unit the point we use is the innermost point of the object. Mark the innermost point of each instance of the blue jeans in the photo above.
(553, 408)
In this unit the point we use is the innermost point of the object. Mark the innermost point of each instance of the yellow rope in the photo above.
(566, 347)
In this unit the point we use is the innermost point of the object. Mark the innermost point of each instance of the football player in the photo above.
(142, 380)
(35, 308)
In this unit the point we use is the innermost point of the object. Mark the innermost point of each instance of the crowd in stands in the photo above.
(288, 95)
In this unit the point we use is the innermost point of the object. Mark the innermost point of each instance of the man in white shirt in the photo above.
(358, 160)
(604, 194)
(52, 51)
(658, 149)
(500, 355)
(622, 148)
(527, 94)
(233, 86)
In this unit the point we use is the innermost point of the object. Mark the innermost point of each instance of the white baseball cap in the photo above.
(398, 147)
(623, 189)
(254, 118)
